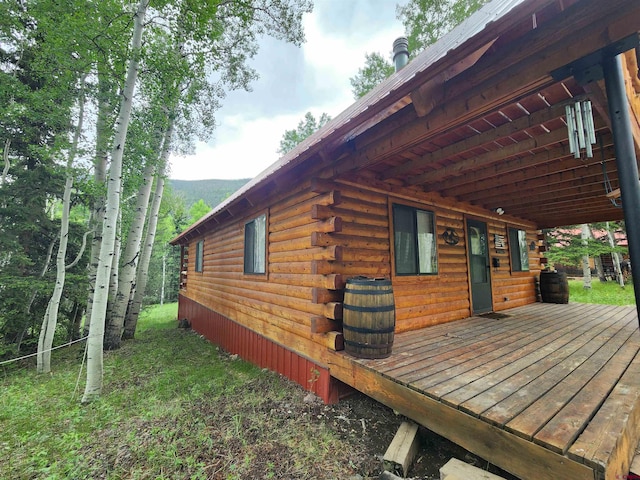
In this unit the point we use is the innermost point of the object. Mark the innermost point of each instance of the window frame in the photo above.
(249, 228)
(199, 257)
(518, 247)
(417, 260)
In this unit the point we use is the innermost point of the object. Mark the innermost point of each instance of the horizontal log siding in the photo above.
(278, 306)
(430, 299)
(364, 237)
(317, 240)
(433, 299)
(512, 289)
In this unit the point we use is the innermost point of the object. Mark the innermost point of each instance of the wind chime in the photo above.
(582, 136)
(581, 129)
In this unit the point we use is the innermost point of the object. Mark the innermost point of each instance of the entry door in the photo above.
(479, 267)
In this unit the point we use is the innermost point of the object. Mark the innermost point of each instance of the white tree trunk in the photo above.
(93, 387)
(586, 269)
(50, 321)
(614, 257)
(115, 266)
(126, 280)
(135, 305)
(7, 163)
(100, 178)
(164, 276)
(597, 260)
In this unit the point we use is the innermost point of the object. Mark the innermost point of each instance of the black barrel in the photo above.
(369, 317)
(554, 287)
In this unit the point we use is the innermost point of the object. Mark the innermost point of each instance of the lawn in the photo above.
(174, 406)
(608, 293)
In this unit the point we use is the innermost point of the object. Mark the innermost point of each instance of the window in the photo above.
(200, 256)
(518, 250)
(414, 241)
(255, 245)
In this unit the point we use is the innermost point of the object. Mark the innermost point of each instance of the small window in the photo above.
(519, 250)
(255, 245)
(414, 241)
(200, 256)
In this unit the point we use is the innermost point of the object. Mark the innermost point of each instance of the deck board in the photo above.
(556, 388)
(489, 371)
(559, 433)
(614, 430)
(555, 380)
(554, 364)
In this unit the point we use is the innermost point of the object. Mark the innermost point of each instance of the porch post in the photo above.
(625, 162)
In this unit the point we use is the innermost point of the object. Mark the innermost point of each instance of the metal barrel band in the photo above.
(369, 292)
(368, 330)
(365, 345)
(358, 308)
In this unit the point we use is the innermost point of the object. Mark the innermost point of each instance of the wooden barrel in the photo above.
(369, 317)
(554, 287)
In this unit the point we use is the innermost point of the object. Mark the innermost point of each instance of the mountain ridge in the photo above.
(212, 191)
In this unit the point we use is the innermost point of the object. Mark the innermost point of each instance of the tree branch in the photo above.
(7, 164)
(81, 252)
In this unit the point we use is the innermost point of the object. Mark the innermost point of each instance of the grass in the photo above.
(173, 406)
(608, 293)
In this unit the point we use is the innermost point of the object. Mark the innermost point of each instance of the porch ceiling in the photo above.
(490, 130)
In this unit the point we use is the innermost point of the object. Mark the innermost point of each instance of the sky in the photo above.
(293, 80)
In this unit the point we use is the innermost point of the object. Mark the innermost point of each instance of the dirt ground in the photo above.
(358, 418)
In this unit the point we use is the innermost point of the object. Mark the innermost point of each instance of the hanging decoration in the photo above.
(613, 194)
(581, 128)
(450, 237)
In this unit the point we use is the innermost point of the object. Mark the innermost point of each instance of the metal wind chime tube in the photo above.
(581, 129)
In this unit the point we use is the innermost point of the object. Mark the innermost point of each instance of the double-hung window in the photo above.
(414, 241)
(200, 256)
(518, 250)
(255, 245)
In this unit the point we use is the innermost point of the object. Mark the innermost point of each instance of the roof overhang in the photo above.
(480, 117)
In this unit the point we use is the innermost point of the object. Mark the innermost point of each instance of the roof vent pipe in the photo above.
(400, 52)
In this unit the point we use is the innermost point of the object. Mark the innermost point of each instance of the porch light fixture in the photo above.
(499, 211)
(580, 128)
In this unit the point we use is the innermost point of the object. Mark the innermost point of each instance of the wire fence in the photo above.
(6, 362)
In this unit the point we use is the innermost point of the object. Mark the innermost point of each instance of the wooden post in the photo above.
(403, 449)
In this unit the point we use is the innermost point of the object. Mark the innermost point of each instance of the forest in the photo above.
(97, 96)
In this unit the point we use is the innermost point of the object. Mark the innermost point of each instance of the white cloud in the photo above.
(251, 124)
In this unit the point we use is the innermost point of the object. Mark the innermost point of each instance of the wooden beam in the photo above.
(491, 443)
(531, 168)
(510, 74)
(523, 123)
(493, 156)
(544, 185)
(323, 325)
(427, 96)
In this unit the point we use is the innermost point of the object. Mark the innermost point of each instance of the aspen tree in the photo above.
(93, 386)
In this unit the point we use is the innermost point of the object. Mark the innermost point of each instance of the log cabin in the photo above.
(439, 183)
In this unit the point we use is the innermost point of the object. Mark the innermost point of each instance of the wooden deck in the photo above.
(545, 392)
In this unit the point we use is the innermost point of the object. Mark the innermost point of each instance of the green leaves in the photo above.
(306, 127)
(376, 69)
(425, 21)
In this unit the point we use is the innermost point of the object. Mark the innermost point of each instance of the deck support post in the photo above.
(625, 161)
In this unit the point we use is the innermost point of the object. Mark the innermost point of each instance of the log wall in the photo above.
(323, 233)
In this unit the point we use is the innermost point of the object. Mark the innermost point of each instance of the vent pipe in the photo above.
(400, 52)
